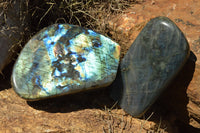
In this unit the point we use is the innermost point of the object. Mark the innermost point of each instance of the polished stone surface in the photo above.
(153, 60)
(63, 59)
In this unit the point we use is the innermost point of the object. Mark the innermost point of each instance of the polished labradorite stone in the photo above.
(153, 60)
(63, 59)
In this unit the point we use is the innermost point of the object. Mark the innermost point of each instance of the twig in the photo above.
(145, 121)
(46, 12)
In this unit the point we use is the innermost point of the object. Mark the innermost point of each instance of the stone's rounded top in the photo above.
(153, 60)
(63, 59)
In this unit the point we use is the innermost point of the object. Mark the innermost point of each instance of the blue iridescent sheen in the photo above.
(63, 59)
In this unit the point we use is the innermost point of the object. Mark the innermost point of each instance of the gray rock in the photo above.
(153, 60)
(12, 24)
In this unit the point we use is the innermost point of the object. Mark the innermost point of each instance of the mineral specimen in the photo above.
(153, 60)
(63, 59)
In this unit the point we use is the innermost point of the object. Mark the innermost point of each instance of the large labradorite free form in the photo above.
(63, 59)
(153, 60)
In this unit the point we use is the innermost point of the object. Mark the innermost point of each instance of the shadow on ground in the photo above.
(85, 100)
(172, 104)
(5, 77)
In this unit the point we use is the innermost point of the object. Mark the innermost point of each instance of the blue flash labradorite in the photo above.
(63, 59)
(153, 60)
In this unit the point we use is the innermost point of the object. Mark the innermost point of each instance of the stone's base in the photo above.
(153, 60)
(63, 59)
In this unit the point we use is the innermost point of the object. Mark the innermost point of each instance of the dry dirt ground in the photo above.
(95, 111)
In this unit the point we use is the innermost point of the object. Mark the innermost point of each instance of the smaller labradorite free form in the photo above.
(63, 59)
(153, 60)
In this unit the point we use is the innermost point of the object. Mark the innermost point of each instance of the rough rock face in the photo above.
(152, 61)
(64, 59)
(12, 23)
(184, 92)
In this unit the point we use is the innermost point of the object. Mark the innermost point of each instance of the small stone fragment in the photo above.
(64, 59)
(153, 60)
